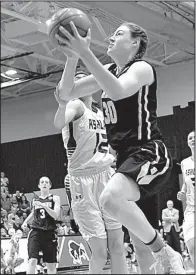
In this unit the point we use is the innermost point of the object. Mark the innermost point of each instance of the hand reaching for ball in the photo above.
(73, 44)
(68, 52)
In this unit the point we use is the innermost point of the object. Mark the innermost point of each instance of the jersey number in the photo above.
(109, 112)
(101, 143)
(42, 212)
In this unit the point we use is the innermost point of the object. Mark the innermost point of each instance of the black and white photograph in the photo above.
(97, 137)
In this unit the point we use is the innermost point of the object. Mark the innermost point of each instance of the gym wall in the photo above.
(31, 117)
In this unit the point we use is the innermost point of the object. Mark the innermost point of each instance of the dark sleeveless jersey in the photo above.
(42, 220)
(131, 121)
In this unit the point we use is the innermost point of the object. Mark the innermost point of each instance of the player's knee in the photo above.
(109, 202)
(100, 254)
(117, 247)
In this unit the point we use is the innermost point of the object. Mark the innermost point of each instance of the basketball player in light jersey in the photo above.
(89, 170)
(129, 103)
(188, 191)
(42, 237)
(11, 255)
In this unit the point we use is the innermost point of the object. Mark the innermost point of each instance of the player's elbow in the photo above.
(57, 215)
(58, 124)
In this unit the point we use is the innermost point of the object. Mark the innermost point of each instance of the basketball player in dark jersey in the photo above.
(130, 104)
(42, 237)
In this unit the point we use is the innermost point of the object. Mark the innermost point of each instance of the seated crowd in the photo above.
(15, 208)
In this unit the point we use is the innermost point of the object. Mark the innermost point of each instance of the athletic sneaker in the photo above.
(168, 261)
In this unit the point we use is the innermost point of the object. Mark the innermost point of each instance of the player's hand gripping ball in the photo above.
(63, 18)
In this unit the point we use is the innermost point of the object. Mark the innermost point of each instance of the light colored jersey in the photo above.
(85, 141)
(188, 171)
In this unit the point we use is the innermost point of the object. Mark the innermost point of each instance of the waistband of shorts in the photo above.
(89, 172)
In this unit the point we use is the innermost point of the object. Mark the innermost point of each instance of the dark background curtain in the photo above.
(25, 161)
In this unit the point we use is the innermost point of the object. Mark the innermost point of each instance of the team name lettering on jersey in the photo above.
(96, 124)
(48, 203)
(190, 172)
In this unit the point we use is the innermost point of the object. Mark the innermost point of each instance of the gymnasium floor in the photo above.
(133, 269)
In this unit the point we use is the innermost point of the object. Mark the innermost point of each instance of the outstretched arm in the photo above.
(66, 83)
(59, 119)
(138, 75)
(69, 88)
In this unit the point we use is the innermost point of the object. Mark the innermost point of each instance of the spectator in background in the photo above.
(170, 216)
(12, 215)
(5, 202)
(3, 188)
(11, 230)
(4, 233)
(18, 197)
(24, 206)
(5, 223)
(24, 216)
(14, 200)
(3, 212)
(4, 180)
(7, 193)
(17, 223)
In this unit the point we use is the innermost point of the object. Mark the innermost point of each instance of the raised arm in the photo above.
(59, 118)
(67, 79)
(140, 74)
(73, 110)
(69, 89)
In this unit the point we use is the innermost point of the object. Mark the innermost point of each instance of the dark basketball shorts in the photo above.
(150, 166)
(45, 241)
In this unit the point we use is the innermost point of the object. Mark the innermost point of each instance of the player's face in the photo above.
(191, 140)
(121, 42)
(44, 184)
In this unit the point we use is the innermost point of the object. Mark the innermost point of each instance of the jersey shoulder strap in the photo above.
(112, 67)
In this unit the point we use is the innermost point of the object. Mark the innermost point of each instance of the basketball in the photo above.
(63, 18)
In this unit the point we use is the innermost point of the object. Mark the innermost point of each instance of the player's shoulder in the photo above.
(141, 66)
(185, 161)
(142, 71)
(56, 198)
(76, 102)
